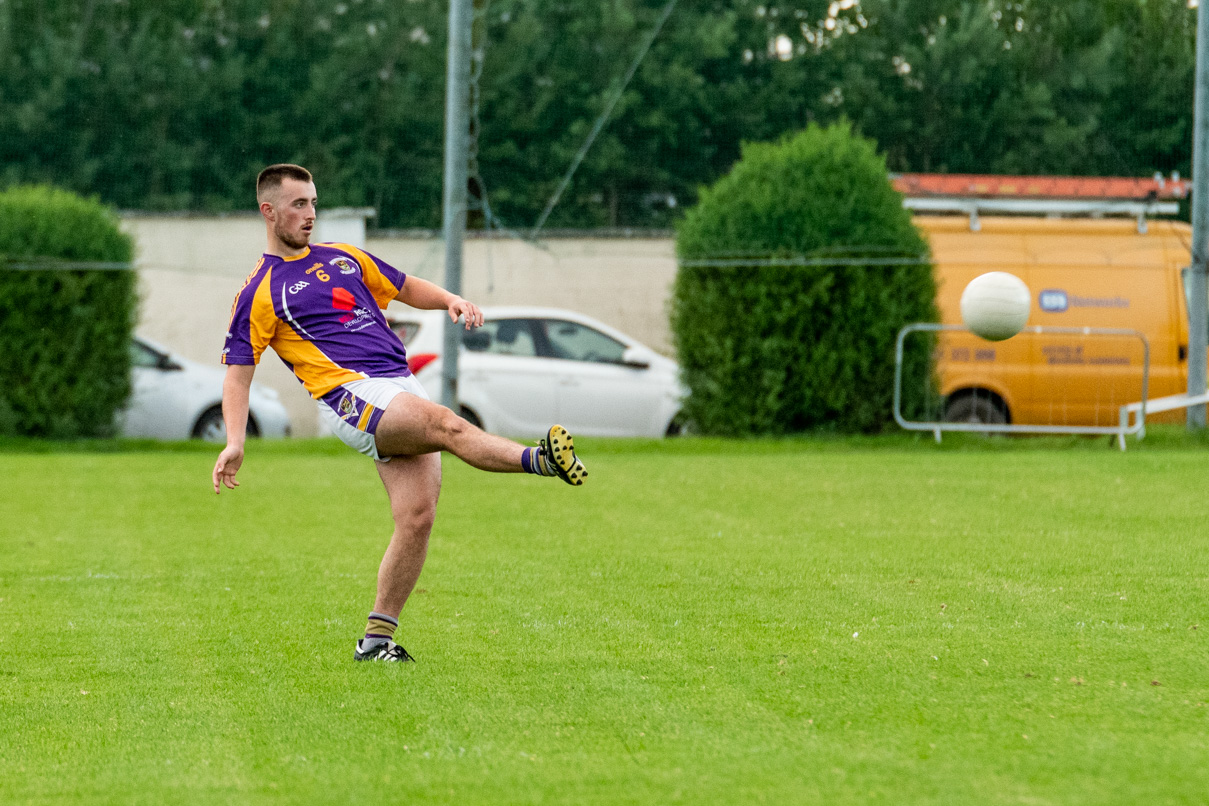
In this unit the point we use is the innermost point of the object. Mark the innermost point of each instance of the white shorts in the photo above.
(353, 410)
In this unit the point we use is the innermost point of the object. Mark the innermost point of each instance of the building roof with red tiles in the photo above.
(1041, 187)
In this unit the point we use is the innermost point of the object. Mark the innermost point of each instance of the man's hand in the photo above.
(460, 307)
(428, 296)
(235, 388)
(226, 467)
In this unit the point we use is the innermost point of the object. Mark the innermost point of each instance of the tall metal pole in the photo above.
(1198, 287)
(457, 143)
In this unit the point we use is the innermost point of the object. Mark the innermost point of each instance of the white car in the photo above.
(175, 398)
(527, 368)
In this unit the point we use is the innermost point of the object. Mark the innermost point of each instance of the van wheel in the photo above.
(470, 417)
(974, 408)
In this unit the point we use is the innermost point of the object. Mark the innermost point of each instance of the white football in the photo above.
(995, 305)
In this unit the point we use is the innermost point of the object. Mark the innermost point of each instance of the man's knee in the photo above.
(414, 516)
(451, 426)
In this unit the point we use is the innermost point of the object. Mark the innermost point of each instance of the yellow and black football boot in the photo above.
(558, 449)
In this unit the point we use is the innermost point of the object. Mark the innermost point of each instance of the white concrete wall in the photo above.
(624, 282)
(190, 268)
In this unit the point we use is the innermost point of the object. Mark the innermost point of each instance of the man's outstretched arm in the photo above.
(235, 388)
(431, 297)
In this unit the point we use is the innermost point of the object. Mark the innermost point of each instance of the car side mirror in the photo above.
(635, 359)
(167, 364)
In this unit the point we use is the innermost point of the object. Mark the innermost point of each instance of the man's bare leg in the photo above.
(412, 426)
(413, 484)
(412, 431)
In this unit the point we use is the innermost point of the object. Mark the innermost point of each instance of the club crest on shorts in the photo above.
(345, 265)
(347, 406)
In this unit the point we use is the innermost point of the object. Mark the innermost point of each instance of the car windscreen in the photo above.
(406, 330)
(143, 356)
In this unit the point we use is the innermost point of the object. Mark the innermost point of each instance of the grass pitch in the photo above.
(704, 622)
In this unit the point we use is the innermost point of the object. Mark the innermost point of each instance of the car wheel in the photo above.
(679, 426)
(975, 408)
(470, 417)
(212, 428)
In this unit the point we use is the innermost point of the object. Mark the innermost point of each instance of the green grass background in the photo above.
(818, 621)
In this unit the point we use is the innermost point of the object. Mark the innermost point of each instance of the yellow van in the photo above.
(1081, 272)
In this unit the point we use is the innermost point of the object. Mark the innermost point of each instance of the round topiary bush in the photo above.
(797, 270)
(64, 332)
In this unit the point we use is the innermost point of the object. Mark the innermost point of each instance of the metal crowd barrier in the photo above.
(1122, 429)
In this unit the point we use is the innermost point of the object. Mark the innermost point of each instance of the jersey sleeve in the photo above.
(253, 320)
(383, 280)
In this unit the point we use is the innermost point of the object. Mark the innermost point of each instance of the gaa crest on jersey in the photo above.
(345, 265)
(347, 406)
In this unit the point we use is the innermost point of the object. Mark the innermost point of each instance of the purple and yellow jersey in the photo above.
(320, 312)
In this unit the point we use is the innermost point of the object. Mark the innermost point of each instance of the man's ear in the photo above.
(266, 210)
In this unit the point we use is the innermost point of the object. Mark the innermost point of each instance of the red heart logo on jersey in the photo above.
(342, 299)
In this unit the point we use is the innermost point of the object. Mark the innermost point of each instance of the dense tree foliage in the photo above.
(64, 334)
(175, 104)
(769, 344)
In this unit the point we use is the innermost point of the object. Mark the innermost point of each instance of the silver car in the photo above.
(175, 398)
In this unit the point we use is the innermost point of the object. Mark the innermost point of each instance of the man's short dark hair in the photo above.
(270, 178)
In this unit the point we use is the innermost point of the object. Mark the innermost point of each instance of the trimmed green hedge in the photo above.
(64, 333)
(771, 349)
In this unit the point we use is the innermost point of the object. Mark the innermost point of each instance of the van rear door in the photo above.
(1085, 379)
